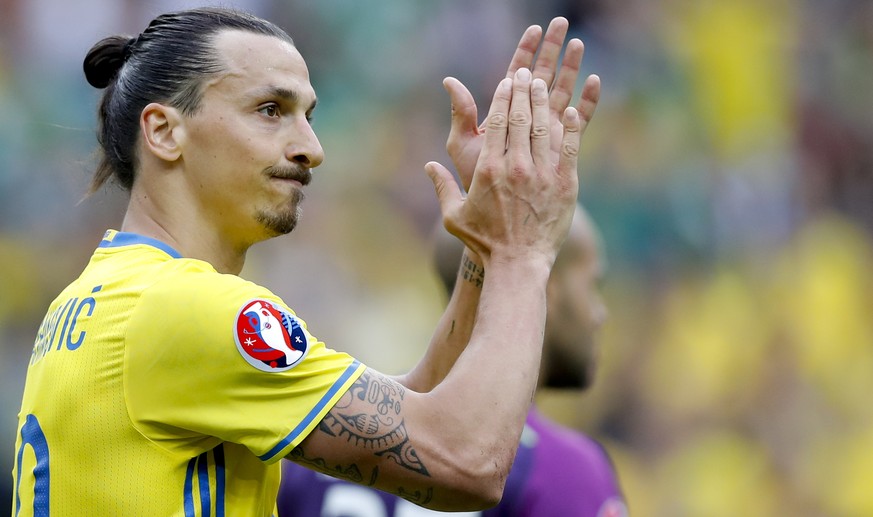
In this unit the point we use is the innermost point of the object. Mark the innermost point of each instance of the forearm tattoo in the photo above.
(381, 429)
(472, 272)
(378, 428)
(349, 473)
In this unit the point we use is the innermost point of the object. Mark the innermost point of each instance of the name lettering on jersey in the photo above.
(66, 318)
(269, 337)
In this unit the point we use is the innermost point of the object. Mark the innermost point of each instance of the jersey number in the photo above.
(32, 436)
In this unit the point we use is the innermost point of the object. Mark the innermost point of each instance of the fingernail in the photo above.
(505, 84)
(523, 74)
(539, 85)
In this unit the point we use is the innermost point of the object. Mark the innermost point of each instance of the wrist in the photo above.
(472, 256)
(527, 262)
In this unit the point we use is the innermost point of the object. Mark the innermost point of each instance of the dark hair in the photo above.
(167, 63)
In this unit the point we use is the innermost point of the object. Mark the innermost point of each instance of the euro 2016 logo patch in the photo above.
(268, 337)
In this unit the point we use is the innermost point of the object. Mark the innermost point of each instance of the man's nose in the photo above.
(306, 150)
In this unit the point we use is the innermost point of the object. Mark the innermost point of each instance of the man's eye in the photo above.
(270, 110)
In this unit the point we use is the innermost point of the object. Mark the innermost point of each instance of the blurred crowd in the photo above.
(730, 169)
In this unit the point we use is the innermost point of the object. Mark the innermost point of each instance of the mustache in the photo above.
(290, 172)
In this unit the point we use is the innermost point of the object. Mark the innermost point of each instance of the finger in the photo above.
(520, 116)
(447, 191)
(464, 112)
(497, 121)
(588, 101)
(539, 133)
(547, 60)
(570, 142)
(526, 50)
(565, 84)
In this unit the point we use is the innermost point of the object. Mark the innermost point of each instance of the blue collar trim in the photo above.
(114, 239)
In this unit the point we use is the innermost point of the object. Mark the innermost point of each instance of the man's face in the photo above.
(249, 148)
(576, 310)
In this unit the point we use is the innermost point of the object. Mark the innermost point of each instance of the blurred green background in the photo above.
(729, 168)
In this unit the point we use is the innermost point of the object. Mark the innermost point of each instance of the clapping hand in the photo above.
(466, 136)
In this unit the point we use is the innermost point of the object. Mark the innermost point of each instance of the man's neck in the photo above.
(186, 235)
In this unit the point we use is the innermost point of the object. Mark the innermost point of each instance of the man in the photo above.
(557, 471)
(171, 386)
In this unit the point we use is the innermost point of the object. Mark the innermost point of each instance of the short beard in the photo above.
(282, 222)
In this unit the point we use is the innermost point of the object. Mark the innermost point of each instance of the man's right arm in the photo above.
(452, 447)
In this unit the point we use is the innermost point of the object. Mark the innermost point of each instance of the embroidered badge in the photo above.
(268, 337)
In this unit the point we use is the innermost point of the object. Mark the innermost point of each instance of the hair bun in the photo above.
(104, 60)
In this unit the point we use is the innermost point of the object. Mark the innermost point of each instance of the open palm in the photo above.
(466, 136)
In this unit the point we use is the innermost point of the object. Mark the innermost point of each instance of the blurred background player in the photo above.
(557, 471)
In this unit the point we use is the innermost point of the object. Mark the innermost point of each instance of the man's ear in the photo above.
(160, 126)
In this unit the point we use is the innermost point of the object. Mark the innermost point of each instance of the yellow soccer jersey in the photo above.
(160, 387)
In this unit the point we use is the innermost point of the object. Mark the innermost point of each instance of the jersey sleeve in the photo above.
(211, 357)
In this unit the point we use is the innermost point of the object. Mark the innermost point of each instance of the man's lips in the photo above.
(289, 180)
(298, 175)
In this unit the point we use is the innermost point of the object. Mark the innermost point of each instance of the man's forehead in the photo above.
(257, 58)
(242, 45)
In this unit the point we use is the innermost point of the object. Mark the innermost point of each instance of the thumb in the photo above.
(447, 191)
(464, 112)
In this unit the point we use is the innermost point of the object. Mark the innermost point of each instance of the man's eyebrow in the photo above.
(285, 94)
